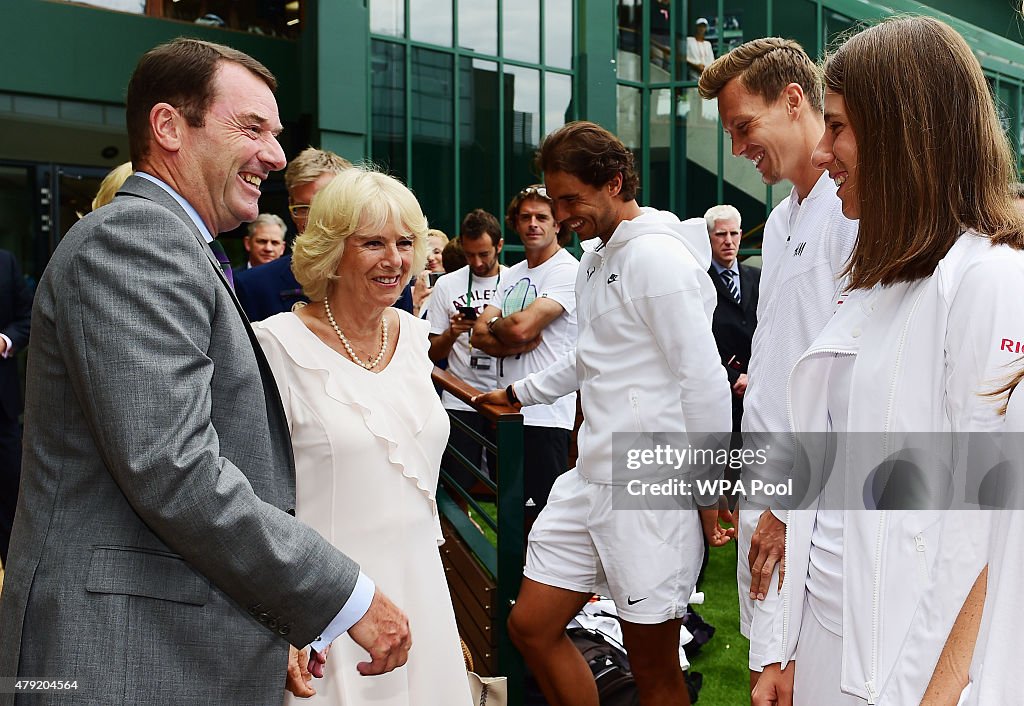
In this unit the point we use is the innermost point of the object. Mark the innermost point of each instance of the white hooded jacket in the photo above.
(645, 359)
(925, 354)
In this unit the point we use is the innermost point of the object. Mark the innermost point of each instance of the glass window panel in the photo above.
(657, 191)
(660, 54)
(558, 33)
(479, 137)
(745, 20)
(558, 108)
(387, 17)
(835, 27)
(701, 40)
(627, 57)
(275, 19)
(698, 183)
(387, 75)
(433, 153)
(431, 21)
(16, 208)
(478, 26)
(521, 40)
(522, 123)
(630, 116)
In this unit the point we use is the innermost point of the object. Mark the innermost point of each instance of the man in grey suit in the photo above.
(155, 557)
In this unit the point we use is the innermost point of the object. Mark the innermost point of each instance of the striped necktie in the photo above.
(729, 280)
(225, 263)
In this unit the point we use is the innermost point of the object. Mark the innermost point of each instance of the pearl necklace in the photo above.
(348, 346)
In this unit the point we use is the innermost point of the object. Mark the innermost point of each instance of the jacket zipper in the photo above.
(785, 589)
(786, 607)
(634, 401)
(875, 601)
(922, 557)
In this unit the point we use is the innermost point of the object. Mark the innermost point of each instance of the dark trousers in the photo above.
(10, 476)
(545, 457)
(459, 440)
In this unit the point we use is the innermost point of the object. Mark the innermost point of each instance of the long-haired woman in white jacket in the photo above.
(931, 319)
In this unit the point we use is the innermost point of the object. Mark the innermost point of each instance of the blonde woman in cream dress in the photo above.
(368, 430)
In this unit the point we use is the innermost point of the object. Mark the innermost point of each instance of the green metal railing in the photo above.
(505, 561)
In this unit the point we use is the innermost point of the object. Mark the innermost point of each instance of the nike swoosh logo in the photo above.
(630, 601)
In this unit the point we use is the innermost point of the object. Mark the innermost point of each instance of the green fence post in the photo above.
(510, 547)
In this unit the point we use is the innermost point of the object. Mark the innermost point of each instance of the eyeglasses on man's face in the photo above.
(299, 210)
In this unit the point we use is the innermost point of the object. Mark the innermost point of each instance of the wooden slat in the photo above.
(473, 594)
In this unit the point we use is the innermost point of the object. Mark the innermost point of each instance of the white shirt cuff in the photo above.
(9, 350)
(350, 614)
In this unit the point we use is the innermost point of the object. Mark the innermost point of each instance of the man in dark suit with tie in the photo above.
(15, 316)
(736, 313)
(155, 555)
(263, 241)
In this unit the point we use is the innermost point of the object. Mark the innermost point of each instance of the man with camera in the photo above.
(456, 302)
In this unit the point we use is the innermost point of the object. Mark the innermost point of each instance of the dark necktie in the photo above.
(729, 280)
(225, 263)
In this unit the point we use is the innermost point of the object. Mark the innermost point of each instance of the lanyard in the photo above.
(469, 285)
(469, 299)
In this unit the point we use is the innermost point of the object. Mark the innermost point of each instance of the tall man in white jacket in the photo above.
(645, 361)
(770, 102)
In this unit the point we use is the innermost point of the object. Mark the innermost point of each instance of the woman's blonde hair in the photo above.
(933, 159)
(440, 235)
(111, 183)
(358, 201)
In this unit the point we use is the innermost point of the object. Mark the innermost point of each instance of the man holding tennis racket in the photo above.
(536, 303)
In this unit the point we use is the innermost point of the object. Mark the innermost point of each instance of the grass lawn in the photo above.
(723, 661)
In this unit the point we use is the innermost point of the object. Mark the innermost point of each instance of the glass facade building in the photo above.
(452, 96)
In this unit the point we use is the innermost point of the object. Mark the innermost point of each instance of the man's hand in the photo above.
(716, 534)
(317, 660)
(774, 687)
(493, 397)
(298, 679)
(459, 324)
(420, 291)
(384, 633)
(767, 548)
(740, 386)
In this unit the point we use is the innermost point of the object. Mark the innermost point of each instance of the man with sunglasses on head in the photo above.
(536, 304)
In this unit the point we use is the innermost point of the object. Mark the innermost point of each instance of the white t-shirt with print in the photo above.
(453, 290)
(555, 279)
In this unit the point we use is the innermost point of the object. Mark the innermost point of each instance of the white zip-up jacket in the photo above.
(645, 358)
(926, 352)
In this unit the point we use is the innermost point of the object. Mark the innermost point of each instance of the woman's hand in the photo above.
(775, 686)
(299, 678)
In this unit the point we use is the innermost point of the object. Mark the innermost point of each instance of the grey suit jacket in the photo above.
(153, 556)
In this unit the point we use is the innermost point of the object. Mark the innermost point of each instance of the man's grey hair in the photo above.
(268, 219)
(722, 212)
